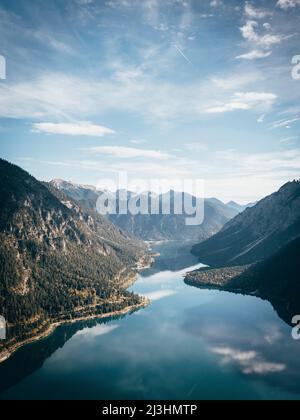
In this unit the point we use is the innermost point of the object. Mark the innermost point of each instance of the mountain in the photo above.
(85, 195)
(173, 226)
(57, 261)
(239, 208)
(276, 279)
(161, 226)
(257, 233)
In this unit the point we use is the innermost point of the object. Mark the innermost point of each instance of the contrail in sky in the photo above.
(183, 55)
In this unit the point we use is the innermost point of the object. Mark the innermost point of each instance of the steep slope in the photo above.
(161, 226)
(85, 195)
(129, 249)
(277, 277)
(256, 233)
(57, 262)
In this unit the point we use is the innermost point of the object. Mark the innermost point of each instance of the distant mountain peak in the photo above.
(62, 184)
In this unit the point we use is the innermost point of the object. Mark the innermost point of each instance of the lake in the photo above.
(188, 344)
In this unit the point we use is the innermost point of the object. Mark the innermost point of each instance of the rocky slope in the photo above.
(257, 233)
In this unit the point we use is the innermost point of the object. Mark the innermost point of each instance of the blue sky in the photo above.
(173, 89)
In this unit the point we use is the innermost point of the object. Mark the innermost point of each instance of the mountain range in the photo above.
(161, 226)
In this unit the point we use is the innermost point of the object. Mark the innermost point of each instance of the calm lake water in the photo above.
(189, 344)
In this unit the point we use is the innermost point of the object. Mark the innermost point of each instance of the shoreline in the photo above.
(7, 353)
(128, 281)
(215, 278)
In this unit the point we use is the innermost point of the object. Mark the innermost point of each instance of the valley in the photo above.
(69, 275)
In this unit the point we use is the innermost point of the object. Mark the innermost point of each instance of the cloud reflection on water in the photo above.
(247, 338)
(249, 362)
(160, 294)
(97, 331)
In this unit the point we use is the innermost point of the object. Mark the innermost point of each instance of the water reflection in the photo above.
(160, 294)
(255, 343)
(175, 256)
(32, 357)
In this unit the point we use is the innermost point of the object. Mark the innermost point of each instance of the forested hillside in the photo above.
(57, 262)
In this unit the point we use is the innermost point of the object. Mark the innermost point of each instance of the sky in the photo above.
(176, 89)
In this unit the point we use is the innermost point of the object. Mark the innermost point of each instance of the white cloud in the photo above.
(267, 26)
(82, 128)
(255, 13)
(250, 34)
(244, 101)
(129, 152)
(284, 123)
(51, 95)
(228, 107)
(288, 4)
(254, 55)
(58, 95)
(130, 90)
